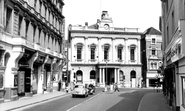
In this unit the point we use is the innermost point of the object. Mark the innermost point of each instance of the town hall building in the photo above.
(103, 54)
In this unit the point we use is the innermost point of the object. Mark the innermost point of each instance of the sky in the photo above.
(141, 14)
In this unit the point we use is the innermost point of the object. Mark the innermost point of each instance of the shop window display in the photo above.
(183, 91)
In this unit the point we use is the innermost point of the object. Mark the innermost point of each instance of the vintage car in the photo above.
(79, 90)
(91, 89)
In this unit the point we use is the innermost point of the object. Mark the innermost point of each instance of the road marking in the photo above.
(83, 102)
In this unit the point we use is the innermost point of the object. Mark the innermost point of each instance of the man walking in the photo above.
(116, 87)
(59, 85)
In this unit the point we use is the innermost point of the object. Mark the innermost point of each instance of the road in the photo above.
(125, 100)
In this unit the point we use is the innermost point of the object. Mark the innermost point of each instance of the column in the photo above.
(139, 53)
(118, 76)
(103, 75)
(99, 49)
(115, 75)
(100, 76)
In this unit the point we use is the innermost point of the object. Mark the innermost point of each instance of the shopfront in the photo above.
(23, 76)
(2, 70)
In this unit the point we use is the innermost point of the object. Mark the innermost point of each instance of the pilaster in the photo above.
(139, 51)
(23, 28)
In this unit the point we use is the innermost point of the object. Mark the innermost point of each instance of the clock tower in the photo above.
(106, 22)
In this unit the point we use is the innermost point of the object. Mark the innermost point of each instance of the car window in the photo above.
(79, 86)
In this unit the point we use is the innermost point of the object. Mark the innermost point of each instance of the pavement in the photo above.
(150, 102)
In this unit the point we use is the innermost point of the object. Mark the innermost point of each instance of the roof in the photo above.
(152, 31)
(94, 26)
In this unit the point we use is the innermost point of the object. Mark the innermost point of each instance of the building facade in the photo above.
(151, 56)
(103, 54)
(173, 32)
(31, 35)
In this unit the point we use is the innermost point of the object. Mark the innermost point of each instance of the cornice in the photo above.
(105, 32)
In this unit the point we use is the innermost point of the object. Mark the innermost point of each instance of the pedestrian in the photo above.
(116, 87)
(59, 85)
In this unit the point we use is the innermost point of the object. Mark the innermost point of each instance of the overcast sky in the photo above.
(140, 14)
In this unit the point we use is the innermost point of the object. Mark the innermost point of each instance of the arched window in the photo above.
(106, 51)
(6, 58)
(122, 76)
(79, 51)
(79, 76)
(120, 48)
(132, 74)
(93, 74)
(92, 48)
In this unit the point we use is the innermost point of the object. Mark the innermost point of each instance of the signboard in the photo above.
(21, 81)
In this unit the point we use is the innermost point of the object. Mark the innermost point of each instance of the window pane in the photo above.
(78, 53)
(153, 52)
(8, 20)
(92, 53)
(120, 54)
(153, 40)
(106, 54)
(132, 54)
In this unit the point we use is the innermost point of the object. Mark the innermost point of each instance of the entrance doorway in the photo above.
(109, 76)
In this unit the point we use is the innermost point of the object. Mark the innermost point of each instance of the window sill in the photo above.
(119, 60)
(79, 60)
(92, 60)
(132, 60)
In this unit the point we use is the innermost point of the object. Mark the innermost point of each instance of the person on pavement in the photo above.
(116, 87)
(59, 85)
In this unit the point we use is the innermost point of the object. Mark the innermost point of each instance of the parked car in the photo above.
(79, 90)
(91, 89)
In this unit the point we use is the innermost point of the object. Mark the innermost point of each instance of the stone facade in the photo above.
(31, 37)
(173, 31)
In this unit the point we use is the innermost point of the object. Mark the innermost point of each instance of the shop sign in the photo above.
(176, 50)
(29, 44)
(23, 65)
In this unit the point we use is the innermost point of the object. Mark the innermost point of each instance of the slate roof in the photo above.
(152, 31)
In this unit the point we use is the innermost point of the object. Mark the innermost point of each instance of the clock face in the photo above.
(106, 26)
